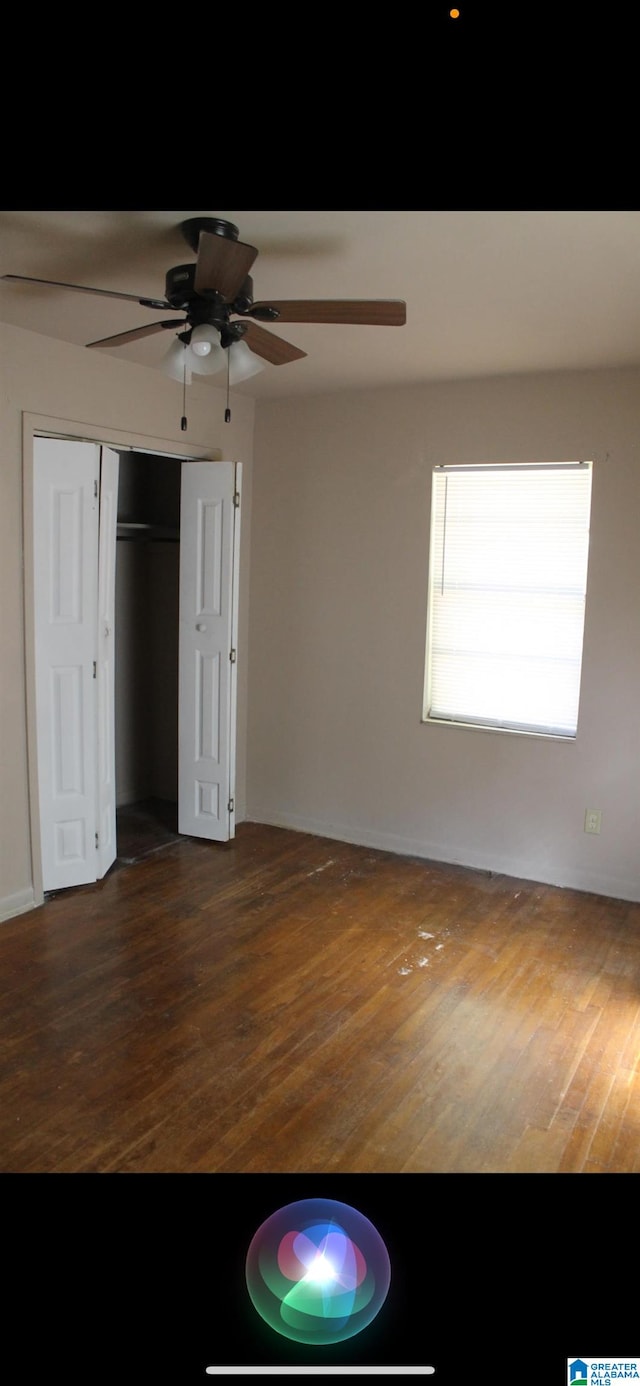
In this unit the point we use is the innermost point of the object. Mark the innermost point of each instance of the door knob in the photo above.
(201, 626)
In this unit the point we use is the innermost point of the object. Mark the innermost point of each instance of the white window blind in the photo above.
(507, 588)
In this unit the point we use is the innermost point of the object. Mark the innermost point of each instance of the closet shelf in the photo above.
(133, 529)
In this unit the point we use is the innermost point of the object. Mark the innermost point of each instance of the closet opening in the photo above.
(147, 576)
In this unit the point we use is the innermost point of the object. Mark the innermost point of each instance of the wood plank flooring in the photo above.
(285, 1003)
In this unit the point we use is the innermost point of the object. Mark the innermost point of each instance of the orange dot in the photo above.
(454, 14)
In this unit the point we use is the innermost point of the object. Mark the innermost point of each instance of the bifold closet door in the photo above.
(106, 787)
(75, 524)
(74, 568)
(209, 549)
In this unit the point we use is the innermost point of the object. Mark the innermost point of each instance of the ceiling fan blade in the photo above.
(121, 337)
(383, 312)
(82, 289)
(222, 265)
(270, 347)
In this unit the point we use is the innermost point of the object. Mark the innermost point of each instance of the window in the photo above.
(507, 587)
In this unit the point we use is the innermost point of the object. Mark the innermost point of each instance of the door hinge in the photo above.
(95, 489)
(95, 669)
(97, 844)
(236, 499)
(232, 656)
(230, 806)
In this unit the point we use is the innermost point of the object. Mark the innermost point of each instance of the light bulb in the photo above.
(206, 356)
(204, 338)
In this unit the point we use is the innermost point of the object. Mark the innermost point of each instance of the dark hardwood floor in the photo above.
(285, 1003)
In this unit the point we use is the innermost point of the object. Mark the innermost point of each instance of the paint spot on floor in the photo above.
(422, 933)
(318, 869)
(439, 946)
(404, 971)
(422, 962)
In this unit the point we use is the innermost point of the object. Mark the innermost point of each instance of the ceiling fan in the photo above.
(222, 323)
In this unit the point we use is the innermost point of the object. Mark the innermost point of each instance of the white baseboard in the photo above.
(18, 903)
(573, 878)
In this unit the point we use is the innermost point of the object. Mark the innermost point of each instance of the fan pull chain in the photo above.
(183, 421)
(227, 412)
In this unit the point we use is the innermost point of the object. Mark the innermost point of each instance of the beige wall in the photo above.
(52, 378)
(339, 581)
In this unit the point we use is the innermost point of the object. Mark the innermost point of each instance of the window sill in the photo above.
(565, 739)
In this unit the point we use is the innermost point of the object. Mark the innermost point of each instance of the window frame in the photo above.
(427, 718)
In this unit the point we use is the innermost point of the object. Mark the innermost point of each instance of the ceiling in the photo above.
(487, 292)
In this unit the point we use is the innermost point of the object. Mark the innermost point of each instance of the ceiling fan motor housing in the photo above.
(210, 308)
(180, 291)
(179, 286)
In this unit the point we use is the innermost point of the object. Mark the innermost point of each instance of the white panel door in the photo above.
(66, 476)
(209, 538)
(106, 785)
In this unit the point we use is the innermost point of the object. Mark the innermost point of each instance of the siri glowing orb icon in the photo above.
(318, 1271)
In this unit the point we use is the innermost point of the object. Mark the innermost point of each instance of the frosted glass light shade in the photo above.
(211, 364)
(177, 357)
(242, 363)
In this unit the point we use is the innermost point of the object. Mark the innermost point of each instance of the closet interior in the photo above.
(146, 653)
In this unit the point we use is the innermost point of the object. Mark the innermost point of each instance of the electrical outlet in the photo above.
(592, 819)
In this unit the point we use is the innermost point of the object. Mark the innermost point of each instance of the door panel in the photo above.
(65, 584)
(209, 525)
(106, 770)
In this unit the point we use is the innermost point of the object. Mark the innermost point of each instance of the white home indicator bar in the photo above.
(320, 1371)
